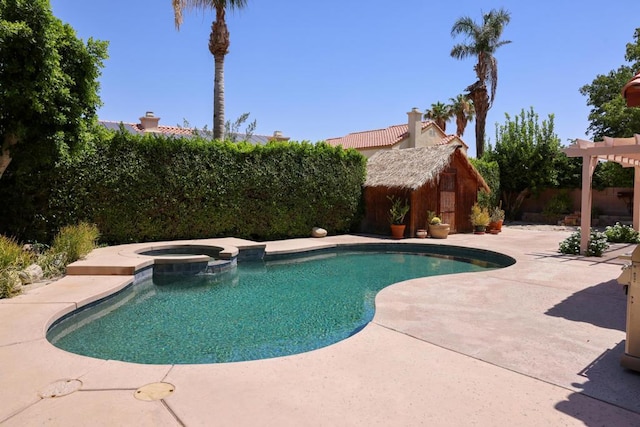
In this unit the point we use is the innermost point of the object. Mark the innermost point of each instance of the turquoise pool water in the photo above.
(259, 310)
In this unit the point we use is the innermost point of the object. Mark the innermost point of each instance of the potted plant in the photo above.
(397, 212)
(496, 219)
(479, 218)
(437, 229)
(422, 233)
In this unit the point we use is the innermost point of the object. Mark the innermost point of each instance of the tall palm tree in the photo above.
(218, 46)
(482, 42)
(462, 109)
(440, 113)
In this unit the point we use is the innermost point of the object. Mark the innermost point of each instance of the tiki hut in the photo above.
(437, 178)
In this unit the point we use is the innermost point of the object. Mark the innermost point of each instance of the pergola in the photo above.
(625, 151)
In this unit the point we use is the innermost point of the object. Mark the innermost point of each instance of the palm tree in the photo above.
(440, 113)
(462, 108)
(218, 46)
(483, 41)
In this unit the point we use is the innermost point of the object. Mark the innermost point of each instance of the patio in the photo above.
(537, 343)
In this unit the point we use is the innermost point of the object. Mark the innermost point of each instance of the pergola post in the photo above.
(589, 164)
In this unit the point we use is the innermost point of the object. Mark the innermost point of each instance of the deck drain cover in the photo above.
(60, 388)
(154, 391)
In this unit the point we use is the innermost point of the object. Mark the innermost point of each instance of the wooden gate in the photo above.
(447, 205)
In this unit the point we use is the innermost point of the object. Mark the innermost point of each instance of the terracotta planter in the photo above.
(479, 229)
(495, 225)
(421, 234)
(397, 231)
(439, 231)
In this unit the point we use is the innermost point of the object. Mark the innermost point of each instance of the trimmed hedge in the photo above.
(148, 188)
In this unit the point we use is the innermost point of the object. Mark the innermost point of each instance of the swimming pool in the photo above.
(280, 306)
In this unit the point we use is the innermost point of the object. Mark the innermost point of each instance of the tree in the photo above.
(527, 154)
(612, 174)
(218, 46)
(483, 41)
(232, 129)
(609, 115)
(462, 109)
(48, 84)
(440, 113)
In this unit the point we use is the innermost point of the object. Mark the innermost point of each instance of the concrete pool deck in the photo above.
(536, 343)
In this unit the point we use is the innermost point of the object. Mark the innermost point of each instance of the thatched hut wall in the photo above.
(439, 179)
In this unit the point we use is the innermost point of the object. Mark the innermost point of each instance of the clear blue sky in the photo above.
(316, 70)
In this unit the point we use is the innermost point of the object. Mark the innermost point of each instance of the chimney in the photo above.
(278, 136)
(415, 126)
(149, 122)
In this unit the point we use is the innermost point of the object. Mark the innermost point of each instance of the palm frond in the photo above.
(465, 25)
(461, 51)
(179, 6)
(493, 78)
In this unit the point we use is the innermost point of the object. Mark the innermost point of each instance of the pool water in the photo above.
(259, 310)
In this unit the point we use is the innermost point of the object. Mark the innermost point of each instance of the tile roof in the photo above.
(178, 131)
(380, 138)
(137, 128)
(374, 138)
(447, 139)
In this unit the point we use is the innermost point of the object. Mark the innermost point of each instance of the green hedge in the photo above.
(149, 188)
(490, 171)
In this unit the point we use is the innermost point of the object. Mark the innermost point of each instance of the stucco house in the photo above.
(149, 123)
(415, 133)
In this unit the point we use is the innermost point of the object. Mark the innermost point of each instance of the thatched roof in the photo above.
(411, 168)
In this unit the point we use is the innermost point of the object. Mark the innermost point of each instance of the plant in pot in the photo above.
(479, 218)
(422, 233)
(397, 212)
(496, 219)
(437, 229)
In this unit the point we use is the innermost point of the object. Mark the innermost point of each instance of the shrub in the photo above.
(52, 264)
(12, 255)
(9, 282)
(558, 205)
(12, 259)
(150, 188)
(72, 243)
(619, 233)
(596, 247)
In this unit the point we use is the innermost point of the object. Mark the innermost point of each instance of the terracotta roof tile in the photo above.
(374, 138)
(167, 130)
(446, 140)
(136, 128)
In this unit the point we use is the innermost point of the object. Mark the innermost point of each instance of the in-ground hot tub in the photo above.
(190, 259)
